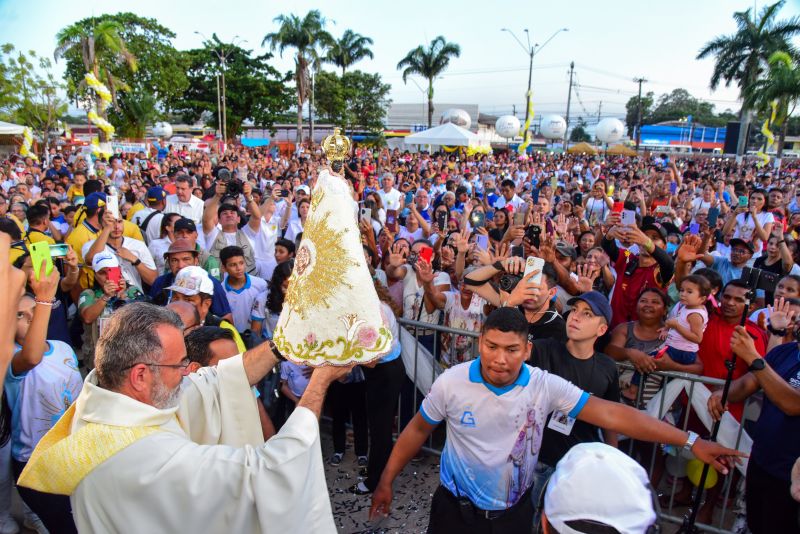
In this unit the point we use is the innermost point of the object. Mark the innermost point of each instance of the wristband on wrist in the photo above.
(44, 302)
(499, 266)
(775, 331)
(137, 262)
(275, 352)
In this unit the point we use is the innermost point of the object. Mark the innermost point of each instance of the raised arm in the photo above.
(35, 344)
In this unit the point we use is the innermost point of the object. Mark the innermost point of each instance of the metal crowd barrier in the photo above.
(422, 361)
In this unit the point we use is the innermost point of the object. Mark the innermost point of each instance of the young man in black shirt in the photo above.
(535, 301)
(576, 360)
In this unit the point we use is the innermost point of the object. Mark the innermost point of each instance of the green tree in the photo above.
(357, 100)
(255, 90)
(781, 86)
(307, 36)
(330, 101)
(33, 92)
(578, 133)
(429, 63)
(349, 49)
(143, 95)
(100, 48)
(680, 104)
(741, 57)
(632, 110)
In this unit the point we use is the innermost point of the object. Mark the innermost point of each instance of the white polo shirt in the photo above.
(191, 210)
(242, 300)
(494, 434)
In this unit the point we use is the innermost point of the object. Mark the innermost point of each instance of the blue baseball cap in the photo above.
(156, 194)
(597, 302)
(95, 200)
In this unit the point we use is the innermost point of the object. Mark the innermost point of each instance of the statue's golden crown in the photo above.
(336, 146)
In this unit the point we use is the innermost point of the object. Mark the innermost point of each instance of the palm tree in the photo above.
(782, 87)
(350, 49)
(429, 63)
(100, 47)
(306, 36)
(742, 56)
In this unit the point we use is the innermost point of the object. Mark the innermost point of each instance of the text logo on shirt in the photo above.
(467, 419)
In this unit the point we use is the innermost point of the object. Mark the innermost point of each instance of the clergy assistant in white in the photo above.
(147, 448)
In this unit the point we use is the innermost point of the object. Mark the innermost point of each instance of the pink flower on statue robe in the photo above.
(310, 340)
(367, 337)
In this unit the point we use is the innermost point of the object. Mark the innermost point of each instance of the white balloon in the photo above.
(507, 126)
(459, 117)
(553, 126)
(609, 130)
(162, 129)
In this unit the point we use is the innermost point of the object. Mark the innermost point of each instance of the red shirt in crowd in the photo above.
(715, 350)
(627, 288)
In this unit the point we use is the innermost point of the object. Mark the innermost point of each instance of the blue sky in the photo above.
(610, 42)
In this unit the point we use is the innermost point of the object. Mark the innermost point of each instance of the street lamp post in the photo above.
(531, 51)
(222, 56)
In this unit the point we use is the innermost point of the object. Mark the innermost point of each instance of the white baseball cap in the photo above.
(596, 482)
(104, 259)
(303, 188)
(191, 281)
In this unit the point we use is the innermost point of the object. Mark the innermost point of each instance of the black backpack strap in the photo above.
(146, 221)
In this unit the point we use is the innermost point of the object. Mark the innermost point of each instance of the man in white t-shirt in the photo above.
(508, 196)
(495, 409)
(183, 202)
(392, 198)
(134, 257)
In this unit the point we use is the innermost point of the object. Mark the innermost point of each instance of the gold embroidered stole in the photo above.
(62, 459)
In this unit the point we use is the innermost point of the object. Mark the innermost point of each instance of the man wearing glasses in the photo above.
(148, 447)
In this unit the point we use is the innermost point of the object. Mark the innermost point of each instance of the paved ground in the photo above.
(413, 490)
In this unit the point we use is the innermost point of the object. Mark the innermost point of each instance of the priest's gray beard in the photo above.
(163, 397)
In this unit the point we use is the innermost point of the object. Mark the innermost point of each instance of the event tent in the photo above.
(621, 150)
(7, 128)
(447, 134)
(582, 148)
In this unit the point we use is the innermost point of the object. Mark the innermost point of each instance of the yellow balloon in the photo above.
(694, 470)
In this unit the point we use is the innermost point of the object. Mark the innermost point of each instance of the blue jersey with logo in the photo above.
(776, 438)
(494, 434)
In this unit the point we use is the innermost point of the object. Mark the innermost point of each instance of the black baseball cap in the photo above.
(184, 224)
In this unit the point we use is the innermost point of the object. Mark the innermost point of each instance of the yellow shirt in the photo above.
(34, 236)
(82, 234)
(74, 191)
(129, 229)
(138, 206)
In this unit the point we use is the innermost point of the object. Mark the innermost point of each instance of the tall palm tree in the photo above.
(781, 86)
(742, 56)
(429, 63)
(100, 47)
(350, 49)
(307, 36)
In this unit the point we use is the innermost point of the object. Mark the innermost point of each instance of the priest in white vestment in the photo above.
(146, 448)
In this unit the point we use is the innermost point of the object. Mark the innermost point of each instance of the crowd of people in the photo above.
(667, 263)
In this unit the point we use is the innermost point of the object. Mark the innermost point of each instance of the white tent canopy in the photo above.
(446, 134)
(7, 128)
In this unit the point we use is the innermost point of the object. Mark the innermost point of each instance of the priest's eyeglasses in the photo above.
(180, 366)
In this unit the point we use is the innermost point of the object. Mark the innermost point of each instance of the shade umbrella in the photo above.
(622, 150)
(582, 148)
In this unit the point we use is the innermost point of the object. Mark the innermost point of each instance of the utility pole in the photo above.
(514, 109)
(599, 110)
(640, 81)
(569, 101)
(224, 104)
(310, 114)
